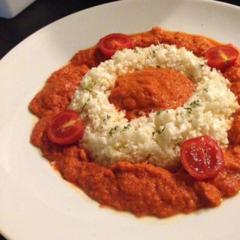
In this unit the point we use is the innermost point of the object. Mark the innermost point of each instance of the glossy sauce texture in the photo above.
(151, 89)
(142, 189)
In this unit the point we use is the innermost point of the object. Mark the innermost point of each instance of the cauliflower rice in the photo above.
(156, 138)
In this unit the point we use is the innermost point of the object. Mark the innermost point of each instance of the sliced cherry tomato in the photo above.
(109, 44)
(222, 57)
(66, 128)
(202, 157)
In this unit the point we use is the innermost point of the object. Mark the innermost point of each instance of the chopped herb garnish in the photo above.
(161, 131)
(126, 127)
(188, 109)
(84, 105)
(178, 141)
(158, 131)
(159, 112)
(113, 130)
(205, 89)
(90, 86)
(192, 105)
(195, 103)
(87, 88)
(107, 118)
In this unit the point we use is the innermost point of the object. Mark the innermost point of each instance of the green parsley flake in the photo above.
(188, 109)
(159, 131)
(84, 105)
(193, 104)
(113, 130)
(126, 127)
(107, 118)
(159, 112)
(205, 89)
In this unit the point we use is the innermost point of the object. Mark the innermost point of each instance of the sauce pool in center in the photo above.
(151, 89)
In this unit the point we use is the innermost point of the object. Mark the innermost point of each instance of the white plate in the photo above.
(35, 203)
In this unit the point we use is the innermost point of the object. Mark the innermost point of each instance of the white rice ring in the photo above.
(156, 138)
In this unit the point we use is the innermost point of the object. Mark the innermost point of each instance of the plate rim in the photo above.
(7, 55)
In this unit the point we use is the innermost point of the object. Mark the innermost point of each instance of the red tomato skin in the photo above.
(202, 157)
(66, 128)
(222, 57)
(105, 44)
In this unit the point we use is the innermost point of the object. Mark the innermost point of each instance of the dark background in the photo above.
(41, 13)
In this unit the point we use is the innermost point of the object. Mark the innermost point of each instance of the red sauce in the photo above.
(142, 189)
(151, 89)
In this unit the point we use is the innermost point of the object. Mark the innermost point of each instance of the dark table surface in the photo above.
(39, 14)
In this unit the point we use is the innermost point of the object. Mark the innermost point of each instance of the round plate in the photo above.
(35, 202)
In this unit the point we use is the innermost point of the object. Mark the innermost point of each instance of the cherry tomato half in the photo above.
(221, 57)
(109, 44)
(202, 157)
(66, 128)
